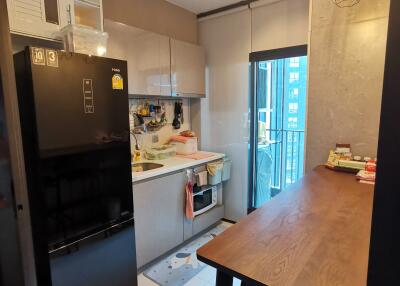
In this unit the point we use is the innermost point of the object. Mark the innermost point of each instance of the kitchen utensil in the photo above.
(137, 120)
(176, 123)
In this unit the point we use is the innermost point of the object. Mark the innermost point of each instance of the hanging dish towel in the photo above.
(202, 178)
(189, 201)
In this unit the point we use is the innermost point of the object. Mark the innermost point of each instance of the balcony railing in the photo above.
(286, 149)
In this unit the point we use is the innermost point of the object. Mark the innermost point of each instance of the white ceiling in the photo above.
(200, 6)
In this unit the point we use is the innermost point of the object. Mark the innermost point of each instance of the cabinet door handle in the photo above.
(69, 14)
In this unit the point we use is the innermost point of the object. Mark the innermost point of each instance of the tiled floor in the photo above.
(205, 278)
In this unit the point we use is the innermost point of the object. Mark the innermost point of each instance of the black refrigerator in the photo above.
(74, 112)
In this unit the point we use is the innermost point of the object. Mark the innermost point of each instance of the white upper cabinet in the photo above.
(152, 65)
(148, 58)
(165, 65)
(37, 18)
(81, 12)
(187, 69)
(45, 18)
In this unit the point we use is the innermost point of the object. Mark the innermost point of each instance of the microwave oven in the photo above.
(204, 199)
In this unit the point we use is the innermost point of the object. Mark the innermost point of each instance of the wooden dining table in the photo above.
(315, 233)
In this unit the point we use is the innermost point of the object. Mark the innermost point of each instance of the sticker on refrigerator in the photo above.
(88, 99)
(38, 56)
(117, 82)
(52, 58)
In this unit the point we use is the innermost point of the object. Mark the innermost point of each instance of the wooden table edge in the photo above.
(230, 272)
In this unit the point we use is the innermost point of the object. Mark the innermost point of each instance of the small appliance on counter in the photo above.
(204, 199)
(185, 143)
(207, 185)
(185, 148)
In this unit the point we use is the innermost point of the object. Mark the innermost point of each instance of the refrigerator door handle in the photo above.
(129, 221)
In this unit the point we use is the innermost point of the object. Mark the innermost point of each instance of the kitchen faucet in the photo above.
(138, 127)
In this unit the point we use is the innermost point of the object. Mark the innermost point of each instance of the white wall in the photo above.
(280, 24)
(224, 113)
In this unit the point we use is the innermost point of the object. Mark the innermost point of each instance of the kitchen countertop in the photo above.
(171, 165)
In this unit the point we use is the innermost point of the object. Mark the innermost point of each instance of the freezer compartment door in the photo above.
(107, 258)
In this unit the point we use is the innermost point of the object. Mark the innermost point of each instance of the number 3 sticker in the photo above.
(52, 58)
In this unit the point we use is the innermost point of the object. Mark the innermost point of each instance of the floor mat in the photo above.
(178, 268)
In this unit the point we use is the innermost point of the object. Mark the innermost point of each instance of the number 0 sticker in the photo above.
(38, 57)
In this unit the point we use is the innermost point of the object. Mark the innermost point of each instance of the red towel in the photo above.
(189, 201)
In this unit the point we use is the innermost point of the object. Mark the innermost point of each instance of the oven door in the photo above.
(204, 200)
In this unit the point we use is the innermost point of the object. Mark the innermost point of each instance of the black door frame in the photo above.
(288, 52)
(384, 262)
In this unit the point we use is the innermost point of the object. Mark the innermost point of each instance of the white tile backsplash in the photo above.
(145, 140)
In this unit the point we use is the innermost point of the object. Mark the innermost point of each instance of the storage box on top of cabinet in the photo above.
(84, 40)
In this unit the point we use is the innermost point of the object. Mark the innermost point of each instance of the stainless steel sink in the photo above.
(142, 167)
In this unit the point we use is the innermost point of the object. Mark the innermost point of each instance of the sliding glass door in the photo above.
(278, 116)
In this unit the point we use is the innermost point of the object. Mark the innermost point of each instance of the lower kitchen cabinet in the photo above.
(159, 216)
(202, 222)
(160, 222)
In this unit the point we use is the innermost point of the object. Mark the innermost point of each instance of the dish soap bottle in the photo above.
(137, 155)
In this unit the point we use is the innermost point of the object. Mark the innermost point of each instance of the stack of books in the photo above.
(366, 177)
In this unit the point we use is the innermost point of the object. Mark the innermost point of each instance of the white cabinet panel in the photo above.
(29, 17)
(188, 69)
(148, 56)
(155, 62)
(147, 47)
(159, 216)
(81, 12)
(165, 65)
(228, 43)
(285, 23)
(44, 18)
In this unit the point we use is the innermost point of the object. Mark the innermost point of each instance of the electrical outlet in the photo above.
(154, 138)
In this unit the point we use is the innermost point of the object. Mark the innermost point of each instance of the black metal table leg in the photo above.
(223, 279)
